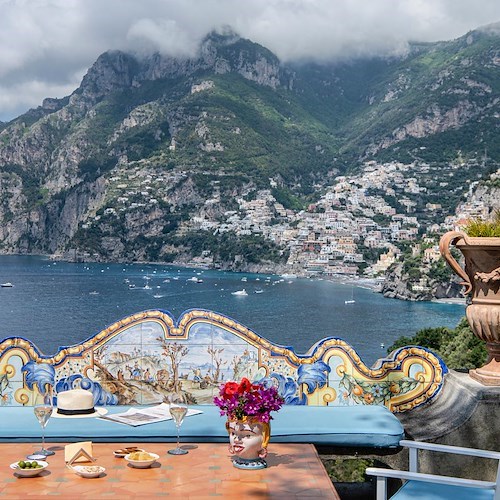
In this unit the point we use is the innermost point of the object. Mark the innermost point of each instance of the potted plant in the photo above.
(248, 409)
(480, 246)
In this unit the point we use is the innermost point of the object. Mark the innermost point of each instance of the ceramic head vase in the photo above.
(248, 440)
(248, 407)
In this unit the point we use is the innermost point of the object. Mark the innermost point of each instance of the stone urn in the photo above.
(481, 278)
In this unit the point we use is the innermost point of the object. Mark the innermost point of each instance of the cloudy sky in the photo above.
(46, 46)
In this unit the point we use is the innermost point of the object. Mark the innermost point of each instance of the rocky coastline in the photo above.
(397, 286)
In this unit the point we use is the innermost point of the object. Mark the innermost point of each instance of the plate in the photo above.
(29, 472)
(88, 471)
(125, 451)
(142, 464)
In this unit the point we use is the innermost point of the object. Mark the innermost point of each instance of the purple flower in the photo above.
(247, 399)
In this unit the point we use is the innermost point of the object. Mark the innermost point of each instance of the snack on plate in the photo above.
(90, 469)
(141, 455)
(28, 468)
(22, 464)
(128, 449)
(120, 453)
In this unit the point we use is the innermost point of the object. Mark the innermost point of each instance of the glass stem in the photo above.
(178, 437)
(43, 437)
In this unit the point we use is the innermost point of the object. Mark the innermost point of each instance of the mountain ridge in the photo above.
(224, 126)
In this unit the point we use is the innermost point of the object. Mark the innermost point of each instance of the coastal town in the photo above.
(355, 228)
(329, 237)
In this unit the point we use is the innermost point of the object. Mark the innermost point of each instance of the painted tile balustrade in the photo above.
(143, 357)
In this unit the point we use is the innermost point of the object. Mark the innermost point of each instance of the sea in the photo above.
(56, 304)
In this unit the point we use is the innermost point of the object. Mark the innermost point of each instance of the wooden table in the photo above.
(294, 471)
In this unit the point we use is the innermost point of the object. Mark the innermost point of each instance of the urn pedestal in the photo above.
(481, 277)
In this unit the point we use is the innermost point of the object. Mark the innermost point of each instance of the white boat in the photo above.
(259, 291)
(289, 275)
(240, 292)
(244, 279)
(94, 292)
(351, 300)
(7, 285)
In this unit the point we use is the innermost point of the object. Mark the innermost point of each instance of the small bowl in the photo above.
(88, 471)
(142, 464)
(29, 472)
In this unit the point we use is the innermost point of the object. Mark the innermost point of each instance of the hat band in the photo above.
(76, 412)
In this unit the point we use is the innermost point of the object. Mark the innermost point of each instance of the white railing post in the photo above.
(381, 488)
(413, 459)
(496, 495)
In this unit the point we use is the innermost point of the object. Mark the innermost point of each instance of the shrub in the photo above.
(480, 227)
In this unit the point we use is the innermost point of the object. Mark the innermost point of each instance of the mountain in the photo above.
(155, 158)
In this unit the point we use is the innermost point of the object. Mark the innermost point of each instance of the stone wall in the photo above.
(466, 414)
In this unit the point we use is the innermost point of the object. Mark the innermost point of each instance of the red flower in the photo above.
(229, 389)
(245, 386)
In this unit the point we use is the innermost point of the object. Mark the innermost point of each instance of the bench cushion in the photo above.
(357, 426)
(432, 491)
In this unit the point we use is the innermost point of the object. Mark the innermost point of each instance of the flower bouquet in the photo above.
(248, 409)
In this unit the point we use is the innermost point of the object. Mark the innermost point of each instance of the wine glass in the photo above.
(178, 410)
(43, 411)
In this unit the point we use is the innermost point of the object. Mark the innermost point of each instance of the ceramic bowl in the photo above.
(142, 464)
(29, 472)
(88, 471)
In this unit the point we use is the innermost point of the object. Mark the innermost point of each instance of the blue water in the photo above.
(52, 304)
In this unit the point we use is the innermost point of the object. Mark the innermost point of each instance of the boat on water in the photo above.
(351, 300)
(6, 285)
(240, 292)
(259, 291)
(288, 275)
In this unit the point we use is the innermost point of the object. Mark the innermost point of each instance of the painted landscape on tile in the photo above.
(144, 358)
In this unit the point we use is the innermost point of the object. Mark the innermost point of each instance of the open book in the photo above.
(149, 415)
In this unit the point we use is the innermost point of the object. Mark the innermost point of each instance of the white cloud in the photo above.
(44, 43)
(164, 36)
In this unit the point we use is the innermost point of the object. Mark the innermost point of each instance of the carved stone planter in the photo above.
(481, 277)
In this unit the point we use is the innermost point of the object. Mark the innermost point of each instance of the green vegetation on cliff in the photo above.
(459, 347)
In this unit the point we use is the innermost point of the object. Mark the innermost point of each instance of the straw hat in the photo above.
(77, 403)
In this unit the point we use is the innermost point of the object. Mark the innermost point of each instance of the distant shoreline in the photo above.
(368, 283)
(451, 300)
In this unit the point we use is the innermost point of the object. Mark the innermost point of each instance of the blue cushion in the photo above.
(432, 491)
(359, 426)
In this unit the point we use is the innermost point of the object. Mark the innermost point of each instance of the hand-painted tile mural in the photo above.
(144, 357)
